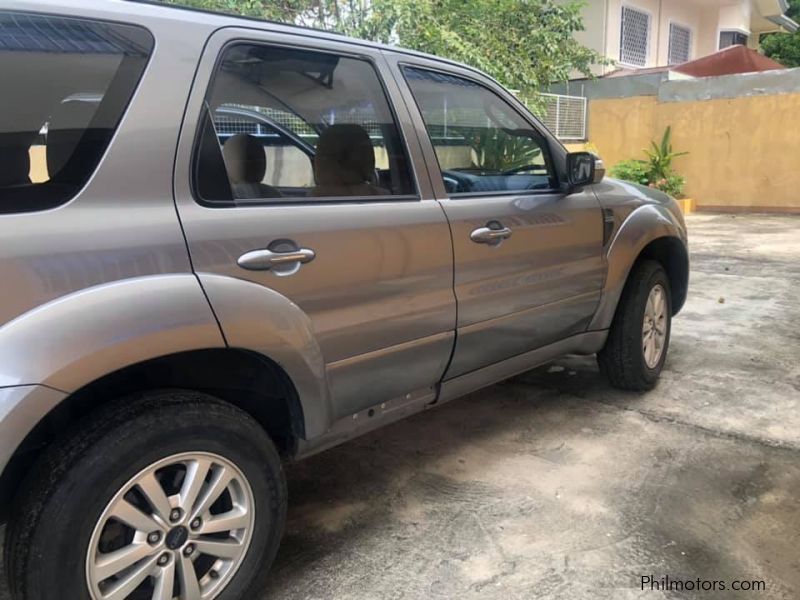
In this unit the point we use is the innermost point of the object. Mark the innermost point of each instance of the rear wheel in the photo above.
(174, 495)
(638, 341)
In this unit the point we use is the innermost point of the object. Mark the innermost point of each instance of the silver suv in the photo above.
(229, 244)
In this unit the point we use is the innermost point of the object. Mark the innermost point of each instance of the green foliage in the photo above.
(660, 157)
(784, 47)
(657, 171)
(496, 150)
(672, 184)
(632, 170)
(525, 44)
(794, 10)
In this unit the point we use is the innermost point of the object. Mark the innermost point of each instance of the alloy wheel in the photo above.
(180, 528)
(654, 328)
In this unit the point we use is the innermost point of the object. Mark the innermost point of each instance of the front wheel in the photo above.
(637, 344)
(174, 495)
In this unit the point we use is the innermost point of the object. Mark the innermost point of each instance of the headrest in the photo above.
(245, 159)
(66, 127)
(344, 156)
(15, 165)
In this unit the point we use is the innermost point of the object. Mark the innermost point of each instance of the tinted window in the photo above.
(482, 143)
(281, 124)
(65, 85)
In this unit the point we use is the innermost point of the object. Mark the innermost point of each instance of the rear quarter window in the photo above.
(66, 83)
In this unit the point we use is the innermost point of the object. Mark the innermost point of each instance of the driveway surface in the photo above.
(553, 485)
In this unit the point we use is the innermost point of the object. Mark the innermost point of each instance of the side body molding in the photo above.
(644, 225)
(261, 320)
(75, 339)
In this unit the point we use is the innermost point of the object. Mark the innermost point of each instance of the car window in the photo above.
(282, 124)
(483, 145)
(65, 85)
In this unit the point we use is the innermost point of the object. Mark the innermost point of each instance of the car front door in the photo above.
(302, 182)
(528, 255)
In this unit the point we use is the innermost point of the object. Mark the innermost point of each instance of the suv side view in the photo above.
(229, 244)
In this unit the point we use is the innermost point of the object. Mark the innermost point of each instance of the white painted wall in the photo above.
(706, 18)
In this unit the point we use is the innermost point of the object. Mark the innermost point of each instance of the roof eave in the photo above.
(786, 23)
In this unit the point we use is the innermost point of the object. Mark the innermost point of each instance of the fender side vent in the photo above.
(608, 225)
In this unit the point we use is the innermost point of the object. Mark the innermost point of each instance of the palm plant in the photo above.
(660, 157)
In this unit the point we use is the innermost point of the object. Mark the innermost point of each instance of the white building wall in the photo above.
(705, 18)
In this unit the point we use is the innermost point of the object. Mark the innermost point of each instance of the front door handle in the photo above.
(490, 235)
(263, 260)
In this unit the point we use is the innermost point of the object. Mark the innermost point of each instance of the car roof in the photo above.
(221, 19)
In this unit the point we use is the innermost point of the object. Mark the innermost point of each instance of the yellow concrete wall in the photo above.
(744, 152)
(621, 128)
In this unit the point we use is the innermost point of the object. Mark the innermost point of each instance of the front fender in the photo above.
(256, 318)
(643, 226)
(76, 339)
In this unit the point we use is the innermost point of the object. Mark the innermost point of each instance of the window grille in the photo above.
(635, 37)
(680, 44)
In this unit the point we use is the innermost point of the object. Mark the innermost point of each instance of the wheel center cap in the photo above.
(177, 537)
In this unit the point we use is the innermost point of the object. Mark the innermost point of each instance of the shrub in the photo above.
(672, 184)
(655, 172)
(632, 170)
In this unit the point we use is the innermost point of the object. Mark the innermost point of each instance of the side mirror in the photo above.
(581, 169)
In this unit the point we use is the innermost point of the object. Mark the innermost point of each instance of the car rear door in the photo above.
(274, 186)
(528, 255)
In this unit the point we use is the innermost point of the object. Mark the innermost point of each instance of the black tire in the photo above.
(62, 499)
(622, 359)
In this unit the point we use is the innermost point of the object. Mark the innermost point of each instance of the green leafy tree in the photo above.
(525, 44)
(784, 47)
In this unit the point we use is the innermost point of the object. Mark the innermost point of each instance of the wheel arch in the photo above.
(649, 233)
(250, 381)
(671, 253)
(58, 356)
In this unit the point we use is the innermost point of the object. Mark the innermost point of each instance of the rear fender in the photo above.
(256, 318)
(73, 340)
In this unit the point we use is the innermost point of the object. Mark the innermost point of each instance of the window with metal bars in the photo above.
(731, 38)
(680, 44)
(635, 37)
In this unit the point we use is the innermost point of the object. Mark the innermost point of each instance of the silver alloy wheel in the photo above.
(654, 328)
(180, 528)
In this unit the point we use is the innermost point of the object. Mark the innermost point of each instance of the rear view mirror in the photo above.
(580, 169)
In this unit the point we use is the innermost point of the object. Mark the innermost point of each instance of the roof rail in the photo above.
(162, 4)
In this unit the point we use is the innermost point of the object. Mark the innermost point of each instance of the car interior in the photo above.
(293, 123)
(482, 143)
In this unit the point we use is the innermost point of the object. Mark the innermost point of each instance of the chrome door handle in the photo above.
(263, 260)
(487, 235)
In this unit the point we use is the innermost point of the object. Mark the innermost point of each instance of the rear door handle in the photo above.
(490, 235)
(263, 260)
